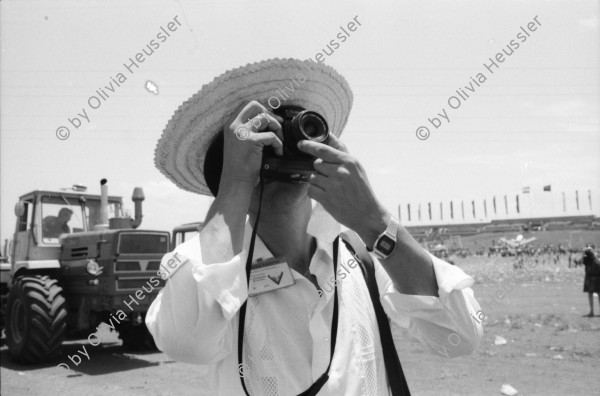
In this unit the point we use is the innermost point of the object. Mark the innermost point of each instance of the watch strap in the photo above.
(392, 228)
(391, 231)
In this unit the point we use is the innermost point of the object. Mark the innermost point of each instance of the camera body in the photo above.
(294, 166)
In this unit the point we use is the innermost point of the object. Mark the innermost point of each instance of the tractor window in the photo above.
(26, 219)
(60, 215)
(143, 243)
(92, 209)
(183, 236)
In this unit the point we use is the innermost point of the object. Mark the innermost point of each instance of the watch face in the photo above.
(386, 245)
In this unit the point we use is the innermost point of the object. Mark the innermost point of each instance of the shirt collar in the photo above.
(323, 226)
(260, 249)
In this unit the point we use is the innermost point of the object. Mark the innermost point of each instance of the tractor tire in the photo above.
(137, 338)
(36, 319)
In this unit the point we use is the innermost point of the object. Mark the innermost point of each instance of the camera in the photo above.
(298, 124)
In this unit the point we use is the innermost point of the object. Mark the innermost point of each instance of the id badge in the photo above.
(268, 275)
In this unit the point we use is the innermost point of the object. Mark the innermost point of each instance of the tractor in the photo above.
(73, 268)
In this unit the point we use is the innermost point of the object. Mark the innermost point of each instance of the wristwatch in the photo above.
(386, 242)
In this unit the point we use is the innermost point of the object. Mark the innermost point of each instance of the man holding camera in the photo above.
(268, 295)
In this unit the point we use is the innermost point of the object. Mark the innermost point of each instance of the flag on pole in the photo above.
(408, 206)
(419, 211)
(518, 211)
(506, 204)
(451, 210)
(485, 208)
(400, 213)
(564, 202)
(548, 188)
(577, 199)
(590, 198)
(441, 212)
(462, 206)
(494, 201)
(473, 204)
(429, 209)
(525, 190)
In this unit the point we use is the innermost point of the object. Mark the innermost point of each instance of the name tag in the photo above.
(268, 275)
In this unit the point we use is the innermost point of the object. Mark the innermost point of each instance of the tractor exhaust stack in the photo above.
(103, 207)
(137, 198)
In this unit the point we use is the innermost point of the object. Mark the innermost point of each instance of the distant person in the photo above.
(518, 264)
(591, 283)
(53, 226)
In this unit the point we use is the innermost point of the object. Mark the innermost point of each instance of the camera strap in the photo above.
(316, 387)
(393, 368)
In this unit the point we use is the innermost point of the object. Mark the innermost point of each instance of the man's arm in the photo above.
(448, 325)
(342, 187)
(439, 315)
(409, 266)
(222, 235)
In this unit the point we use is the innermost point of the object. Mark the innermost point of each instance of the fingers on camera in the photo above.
(257, 108)
(270, 139)
(334, 142)
(253, 118)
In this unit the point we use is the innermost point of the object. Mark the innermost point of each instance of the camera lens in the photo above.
(311, 125)
(300, 124)
(310, 129)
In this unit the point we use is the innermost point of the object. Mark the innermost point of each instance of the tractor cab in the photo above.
(44, 216)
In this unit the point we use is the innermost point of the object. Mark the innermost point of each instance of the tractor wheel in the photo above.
(137, 338)
(36, 319)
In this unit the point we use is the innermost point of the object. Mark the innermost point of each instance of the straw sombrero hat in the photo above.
(181, 151)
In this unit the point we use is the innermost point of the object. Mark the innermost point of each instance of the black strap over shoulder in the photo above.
(393, 368)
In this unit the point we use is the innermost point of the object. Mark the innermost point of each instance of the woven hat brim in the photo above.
(181, 150)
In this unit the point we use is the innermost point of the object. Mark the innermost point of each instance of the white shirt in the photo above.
(194, 319)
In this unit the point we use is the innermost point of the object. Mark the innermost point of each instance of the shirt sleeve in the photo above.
(448, 325)
(191, 319)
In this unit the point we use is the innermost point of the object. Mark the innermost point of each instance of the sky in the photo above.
(532, 121)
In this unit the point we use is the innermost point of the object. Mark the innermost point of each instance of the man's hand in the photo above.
(342, 187)
(222, 235)
(243, 145)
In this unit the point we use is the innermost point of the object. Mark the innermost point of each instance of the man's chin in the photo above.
(282, 195)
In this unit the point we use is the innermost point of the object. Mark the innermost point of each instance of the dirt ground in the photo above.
(551, 349)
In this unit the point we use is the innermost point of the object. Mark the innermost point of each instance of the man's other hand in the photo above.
(342, 187)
